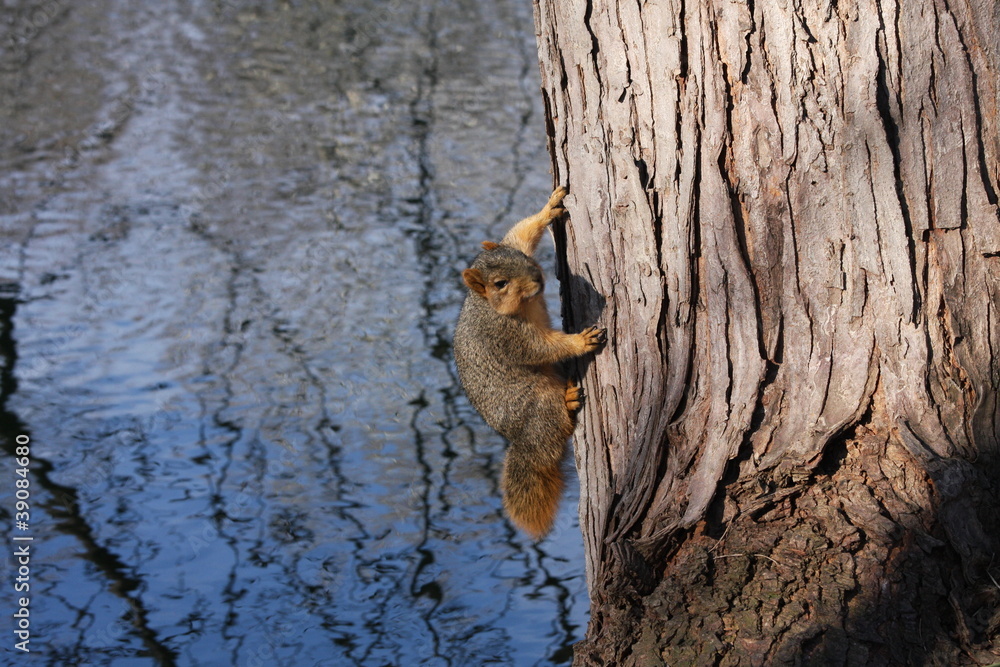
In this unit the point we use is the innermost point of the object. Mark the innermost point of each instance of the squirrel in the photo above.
(506, 351)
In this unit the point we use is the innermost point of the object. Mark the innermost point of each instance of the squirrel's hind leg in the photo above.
(526, 234)
(574, 399)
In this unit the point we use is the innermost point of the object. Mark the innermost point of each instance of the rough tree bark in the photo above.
(785, 213)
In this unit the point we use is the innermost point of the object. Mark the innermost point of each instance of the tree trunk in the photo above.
(785, 213)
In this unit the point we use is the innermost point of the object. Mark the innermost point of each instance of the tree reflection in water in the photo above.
(232, 235)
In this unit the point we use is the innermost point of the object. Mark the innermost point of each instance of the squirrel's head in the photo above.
(505, 277)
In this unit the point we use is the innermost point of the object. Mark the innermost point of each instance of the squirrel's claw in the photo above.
(553, 209)
(574, 397)
(594, 337)
(557, 196)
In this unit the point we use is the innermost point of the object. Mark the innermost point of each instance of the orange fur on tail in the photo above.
(531, 496)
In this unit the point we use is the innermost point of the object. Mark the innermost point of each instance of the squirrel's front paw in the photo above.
(594, 337)
(553, 209)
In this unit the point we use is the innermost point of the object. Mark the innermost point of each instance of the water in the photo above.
(229, 269)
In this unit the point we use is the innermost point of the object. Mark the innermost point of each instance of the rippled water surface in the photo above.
(229, 269)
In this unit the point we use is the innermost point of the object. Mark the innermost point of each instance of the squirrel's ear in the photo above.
(490, 245)
(475, 281)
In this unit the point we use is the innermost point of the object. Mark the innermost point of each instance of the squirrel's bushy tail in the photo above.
(532, 487)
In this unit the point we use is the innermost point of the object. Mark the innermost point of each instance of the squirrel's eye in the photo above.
(500, 284)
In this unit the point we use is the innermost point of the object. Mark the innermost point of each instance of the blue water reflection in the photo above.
(232, 242)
